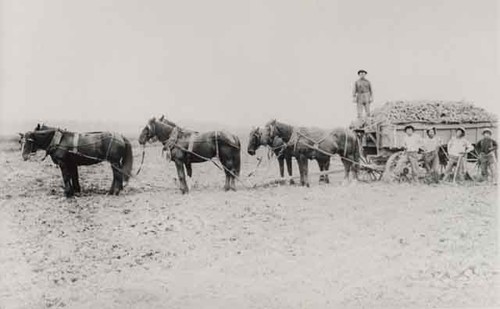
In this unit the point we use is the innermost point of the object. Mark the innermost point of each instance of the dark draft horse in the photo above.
(69, 150)
(284, 153)
(187, 147)
(308, 142)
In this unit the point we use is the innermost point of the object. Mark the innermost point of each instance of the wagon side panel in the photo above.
(391, 136)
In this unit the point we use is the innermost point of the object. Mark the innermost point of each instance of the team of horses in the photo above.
(184, 147)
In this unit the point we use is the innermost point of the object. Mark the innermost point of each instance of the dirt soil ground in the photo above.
(361, 245)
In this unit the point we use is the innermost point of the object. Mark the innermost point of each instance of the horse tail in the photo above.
(356, 148)
(127, 160)
(237, 157)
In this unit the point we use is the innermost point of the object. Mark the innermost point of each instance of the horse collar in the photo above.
(54, 143)
(294, 138)
(56, 140)
(191, 142)
(76, 137)
(172, 140)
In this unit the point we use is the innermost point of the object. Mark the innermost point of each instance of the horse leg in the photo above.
(227, 184)
(189, 169)
(235, 169)
(227, 164)
(320, 165)
(301, 170)
(115, 185)
(306, 171)
(234, 173)
(119, 177)
(281, 164)
(233, 182)
(326, 167)
(289, 168)
(304, 181)
(182, 176)
(355, 167)
(74, 179)
(66, 174)
(347, 168)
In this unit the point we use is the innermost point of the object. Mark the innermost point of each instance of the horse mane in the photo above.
(339, 131)
(271, 122)
(254, 130)
(43, 135)
(166, 121)
(43, 127)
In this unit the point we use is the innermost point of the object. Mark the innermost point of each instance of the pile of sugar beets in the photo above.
(431, 112)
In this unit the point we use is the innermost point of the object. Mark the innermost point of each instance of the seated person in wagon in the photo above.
(431, 144)
(412, 143)
(487, 150)
(458, 147)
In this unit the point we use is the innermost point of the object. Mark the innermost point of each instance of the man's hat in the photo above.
(362, 71)
(461, 129)
(409, 126)
(430, 129)
(487, 130)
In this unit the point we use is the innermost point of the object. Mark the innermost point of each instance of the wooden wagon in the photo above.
(381, 144)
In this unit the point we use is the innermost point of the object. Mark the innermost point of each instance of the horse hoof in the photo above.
(292, 182)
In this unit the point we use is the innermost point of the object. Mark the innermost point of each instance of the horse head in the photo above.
(254, 141)
(34, 141)
(148, 132)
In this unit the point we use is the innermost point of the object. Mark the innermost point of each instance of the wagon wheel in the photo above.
(366, 173)
(390, 167)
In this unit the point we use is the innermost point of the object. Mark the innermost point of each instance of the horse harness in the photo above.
(174, 138)
(295, 138)
(296, 135)
(55, 143)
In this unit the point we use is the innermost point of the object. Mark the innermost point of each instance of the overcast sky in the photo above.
(239, 62)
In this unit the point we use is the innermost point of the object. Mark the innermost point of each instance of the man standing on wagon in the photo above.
(362, 94)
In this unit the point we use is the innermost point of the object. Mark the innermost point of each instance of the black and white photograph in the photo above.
(249, 154)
